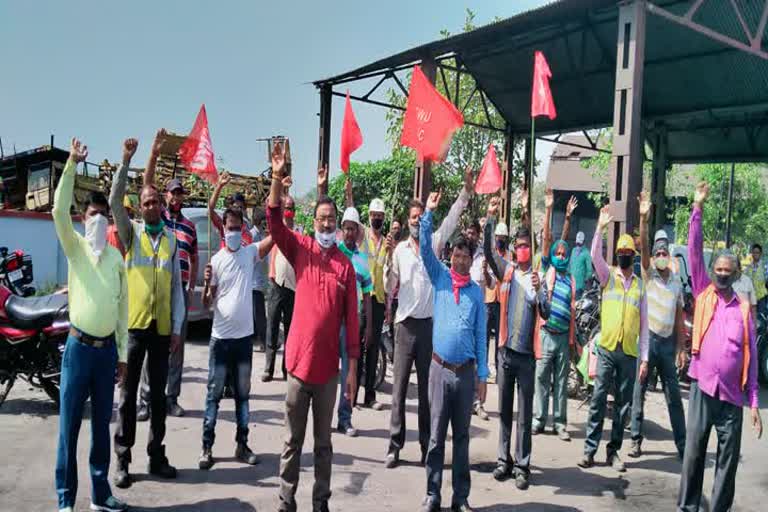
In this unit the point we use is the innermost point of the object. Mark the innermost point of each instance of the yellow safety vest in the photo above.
(620, 314)
(150, 274)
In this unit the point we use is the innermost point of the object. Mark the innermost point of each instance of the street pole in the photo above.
(730, 208)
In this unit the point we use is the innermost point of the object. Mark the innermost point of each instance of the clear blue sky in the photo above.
(104, 71)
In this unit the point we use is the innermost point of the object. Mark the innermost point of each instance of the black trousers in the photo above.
(280, 310)
(705, 412)
(156, 347)
(370, 353)
(520, 369)
(259, 318)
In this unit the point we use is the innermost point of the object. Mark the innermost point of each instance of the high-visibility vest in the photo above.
(150, 274)
(620, 313)
(702, 318)
(549, 278)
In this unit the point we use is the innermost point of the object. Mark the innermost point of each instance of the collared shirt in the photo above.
(718, 365)
(523, 298)
(603, 272)
(580, 266)
(745, 290)
(377, 258)
(359, 261)
(406, 270)
(326, 299)
(476, 270)
(98, 292)
(261, 269)
(280, 270)
(458, 330)
(186, 241)
(664, 297)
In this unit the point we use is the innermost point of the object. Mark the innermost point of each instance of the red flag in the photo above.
(430, 119)
(489, 179)
(542, 103)
(196, 153)
(351, 137)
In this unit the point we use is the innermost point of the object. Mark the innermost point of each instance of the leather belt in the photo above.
(91, 341)
(453, 367)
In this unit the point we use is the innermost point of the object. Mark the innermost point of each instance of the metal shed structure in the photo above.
(689, 77)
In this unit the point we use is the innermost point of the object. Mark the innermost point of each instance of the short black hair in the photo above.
(415, 203)
(475, 224)
(95, 198)
(523, 232)
(240, 198)
(756, 246)
(325, 200)
(259, 215)
(231, 212)
(463, 242)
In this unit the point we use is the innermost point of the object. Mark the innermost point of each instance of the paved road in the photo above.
(29, 426)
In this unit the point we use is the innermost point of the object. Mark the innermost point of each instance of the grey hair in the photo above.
(729, 255)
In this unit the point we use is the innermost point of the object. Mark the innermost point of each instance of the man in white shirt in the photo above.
(413, 320)
(744, 288)
(229, 281)
(260, 277)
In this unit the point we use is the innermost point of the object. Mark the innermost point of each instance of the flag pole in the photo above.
(206, 284)
(529, 206)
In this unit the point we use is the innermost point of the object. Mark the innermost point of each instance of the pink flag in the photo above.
(196, 153)
(489, 180)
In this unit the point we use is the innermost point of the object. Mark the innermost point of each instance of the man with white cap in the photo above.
(350, 229)
(661, 236)
(581, 264)
(501, 236)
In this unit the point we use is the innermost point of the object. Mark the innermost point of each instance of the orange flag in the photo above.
(196, 153)
(489, 179)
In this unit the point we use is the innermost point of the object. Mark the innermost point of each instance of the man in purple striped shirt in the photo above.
(724, 377)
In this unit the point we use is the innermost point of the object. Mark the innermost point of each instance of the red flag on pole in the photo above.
(430, 119)
(351, 137)
(542, 103)
(489, 179)
(196, 153)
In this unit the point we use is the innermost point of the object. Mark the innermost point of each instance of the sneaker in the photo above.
(376, 406)
(266, 377)
(502, 472)
(536, 430)
(635, 451)
(286, 506)
(392, 460)
(66, 509)
(111, 504)
(587, 461)
(142, 414)
(429, 505)
(245, 455)
(480, 411)
(563, 435)
(464, 507)
(205, 462)
(616, 463)
(521, 480)
(320, 507)
(174, 409)
(159, 466)
(122, 478)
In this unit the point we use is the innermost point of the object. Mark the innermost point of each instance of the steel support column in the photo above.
(528, 152)
(729, 215)
(506, 176)
(422, 178)
(626, 171)
(324, 137)
(659, 179)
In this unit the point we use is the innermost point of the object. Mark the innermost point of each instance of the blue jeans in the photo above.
(231, 356)
(85, 371)
(344, 411)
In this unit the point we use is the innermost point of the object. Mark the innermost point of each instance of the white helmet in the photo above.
(351, 214)
(660, 235)
(501, 230)
(580, 237)
(377, 205)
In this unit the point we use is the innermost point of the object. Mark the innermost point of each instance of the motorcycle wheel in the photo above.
(51, 389)
(381, 368)
(762, 361)
(5, 388)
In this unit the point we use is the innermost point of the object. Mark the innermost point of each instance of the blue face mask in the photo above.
(560, 263)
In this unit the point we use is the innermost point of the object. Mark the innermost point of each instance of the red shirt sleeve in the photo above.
(352, 320)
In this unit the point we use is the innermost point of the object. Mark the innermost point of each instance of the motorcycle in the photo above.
(16, 272)
(587, 329)
(33, 333)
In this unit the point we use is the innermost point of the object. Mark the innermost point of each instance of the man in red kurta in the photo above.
(326, 299)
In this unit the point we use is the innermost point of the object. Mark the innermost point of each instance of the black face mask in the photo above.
(723, 282)
(377, 223)
(501, 245)
(625, 261)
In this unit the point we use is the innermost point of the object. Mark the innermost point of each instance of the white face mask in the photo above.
(661, 262)
(96, 232)
(233, 239)
(326, 240)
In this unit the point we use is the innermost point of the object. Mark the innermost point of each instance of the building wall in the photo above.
(34, 233)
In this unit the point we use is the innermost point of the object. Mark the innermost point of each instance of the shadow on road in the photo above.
(214, 505)
(575, 482)
(526, 507)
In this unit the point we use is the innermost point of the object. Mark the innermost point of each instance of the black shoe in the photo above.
(286, 507)
(205, 462)
(393, 458)
(563, 435)
(616, 463)
(245, 455)
(521, 480)
(122, 478)
(142, 414)
(266, 377)
(111, 504)
(174, 409)
(501, 472)
(348, 430)
(423, 458)
(587, 461)
(636, 451)
(159, 467)
(537, 430)
(429, 505)
(464, 507)
(320, 507)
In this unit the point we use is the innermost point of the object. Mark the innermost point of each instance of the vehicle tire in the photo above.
(381, 367)
(5, 388)
(762, 361)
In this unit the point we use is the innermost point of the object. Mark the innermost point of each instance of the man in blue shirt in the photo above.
(459, 347)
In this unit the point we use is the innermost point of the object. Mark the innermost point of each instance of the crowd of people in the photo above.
(333, 292)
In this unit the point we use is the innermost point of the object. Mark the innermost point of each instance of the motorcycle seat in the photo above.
(35, 312)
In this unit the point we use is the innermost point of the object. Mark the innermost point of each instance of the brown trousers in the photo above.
(299, 396)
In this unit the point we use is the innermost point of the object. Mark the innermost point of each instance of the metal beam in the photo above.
(757, 40)
(506, 177)
(573, 144)
(729, 213)
(626, 169)
(324, 137)
(659, 178)
(705, 31)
